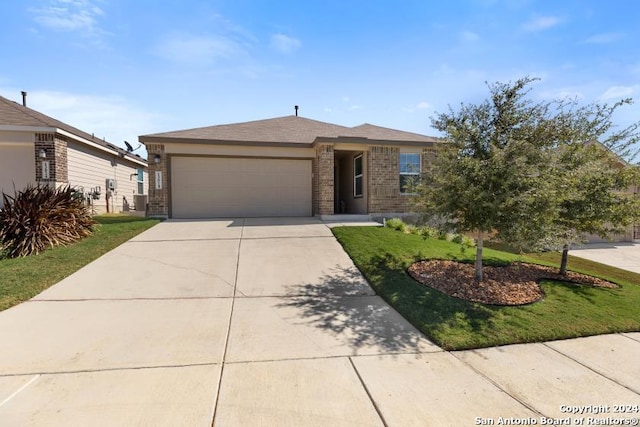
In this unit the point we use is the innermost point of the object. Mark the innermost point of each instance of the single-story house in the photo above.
(286, 166)
(38, 149)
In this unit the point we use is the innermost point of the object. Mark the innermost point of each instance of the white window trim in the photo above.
(360, 175)
(410, 173)
(140, 181)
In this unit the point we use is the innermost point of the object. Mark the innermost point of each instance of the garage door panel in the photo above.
(204, 187)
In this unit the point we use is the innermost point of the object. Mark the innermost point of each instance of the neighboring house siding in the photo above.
(89, 168)
(17, 166)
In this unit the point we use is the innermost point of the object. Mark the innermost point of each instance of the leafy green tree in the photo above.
(597, 197)
(510, 167)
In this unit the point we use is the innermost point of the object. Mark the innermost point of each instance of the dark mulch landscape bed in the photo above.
(514, 284)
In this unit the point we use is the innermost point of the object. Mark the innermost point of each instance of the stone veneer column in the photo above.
(158, 198)
(56, 148)
(323, 185)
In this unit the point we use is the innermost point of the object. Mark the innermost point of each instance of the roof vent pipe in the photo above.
(296, 107)
(24, 98)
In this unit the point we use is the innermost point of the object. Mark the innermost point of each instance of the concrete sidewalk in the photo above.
(247, 322)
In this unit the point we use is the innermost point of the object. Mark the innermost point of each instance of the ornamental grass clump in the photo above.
(40, 217)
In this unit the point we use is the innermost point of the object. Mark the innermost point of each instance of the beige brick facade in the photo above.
(158, 198)
(382, 179)
(323, 185)
(55, 147)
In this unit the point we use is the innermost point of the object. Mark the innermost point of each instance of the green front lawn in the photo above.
(567, 311)
(23, 278)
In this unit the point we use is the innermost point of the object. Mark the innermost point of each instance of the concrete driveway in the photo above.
(267, 322)
(621, 255)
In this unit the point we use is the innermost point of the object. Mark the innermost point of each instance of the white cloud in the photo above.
(194, 49)
(355, 107)
(540, 23)
(69, 15)
(110, 117)
(469, 36)
(284, 44)
(419, 106)
(618, 92)
(604, 38)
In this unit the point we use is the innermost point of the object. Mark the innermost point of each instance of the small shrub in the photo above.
(39, 217)
(428, 232)
(443, 235)
(410, 229)
(396, 224)
(468, 242)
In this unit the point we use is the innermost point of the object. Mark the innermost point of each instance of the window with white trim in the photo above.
(409, 170)
(357, 176)
(140, 181)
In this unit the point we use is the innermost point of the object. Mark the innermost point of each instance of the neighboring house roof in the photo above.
(14, 114)
(288, 130)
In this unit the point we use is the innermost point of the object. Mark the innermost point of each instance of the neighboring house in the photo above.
(287, 166)
(38, 149)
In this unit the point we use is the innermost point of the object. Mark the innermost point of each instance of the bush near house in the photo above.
(40, 217)
(428, 232)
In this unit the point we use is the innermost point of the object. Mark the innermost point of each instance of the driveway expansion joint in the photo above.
(115, 369)
(495, 384)
(366, 390)
(589, 367)
(226, 341)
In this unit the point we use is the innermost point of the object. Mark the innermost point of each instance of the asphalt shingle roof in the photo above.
(14, 114)
(288, 129)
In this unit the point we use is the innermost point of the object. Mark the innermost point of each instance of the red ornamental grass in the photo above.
(40, 217)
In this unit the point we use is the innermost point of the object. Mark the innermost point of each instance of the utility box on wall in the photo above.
(111, 184)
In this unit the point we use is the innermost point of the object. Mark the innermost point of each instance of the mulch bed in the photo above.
(515, 284)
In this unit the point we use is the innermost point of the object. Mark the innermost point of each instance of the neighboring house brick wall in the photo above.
(61, 164)
(158, 198)
(56, 149)
(44, 141)
(323, 189)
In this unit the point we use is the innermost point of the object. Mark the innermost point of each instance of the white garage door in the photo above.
(209, 187)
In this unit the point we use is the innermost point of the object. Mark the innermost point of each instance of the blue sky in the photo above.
(123, 68)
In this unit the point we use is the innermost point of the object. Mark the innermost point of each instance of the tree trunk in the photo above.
(565, 260)
(479, 257)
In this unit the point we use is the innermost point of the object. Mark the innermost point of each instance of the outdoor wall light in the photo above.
(43, 153)
(156, 159)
